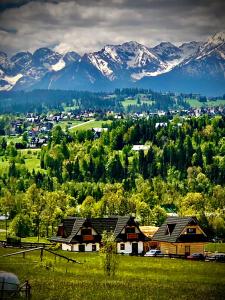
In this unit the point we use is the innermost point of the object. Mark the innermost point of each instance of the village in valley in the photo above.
(112, 150)
(116, 214)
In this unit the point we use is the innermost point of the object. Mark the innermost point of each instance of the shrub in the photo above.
(21, 226)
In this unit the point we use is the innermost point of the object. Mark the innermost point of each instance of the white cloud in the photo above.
(86, 26)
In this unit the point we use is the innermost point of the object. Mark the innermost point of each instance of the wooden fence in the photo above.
(25, 244)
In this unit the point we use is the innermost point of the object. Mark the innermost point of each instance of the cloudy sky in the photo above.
(88, 25)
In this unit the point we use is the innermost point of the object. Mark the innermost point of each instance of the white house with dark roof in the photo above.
(85, 234)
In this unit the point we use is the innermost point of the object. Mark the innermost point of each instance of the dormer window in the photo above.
(86, 231)
(191, 230)
(169, 229)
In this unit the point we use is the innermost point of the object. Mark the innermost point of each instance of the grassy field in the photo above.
(136, 278)
(68, 124)
(215, 247)
(195, 103)
(128, 102)
(14, 139)
(3, 165)
(90, 124)
(31, 159)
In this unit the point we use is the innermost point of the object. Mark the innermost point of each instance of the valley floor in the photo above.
(136, 278)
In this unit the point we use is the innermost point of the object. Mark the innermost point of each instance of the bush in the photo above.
(13, 240)
(21, 226)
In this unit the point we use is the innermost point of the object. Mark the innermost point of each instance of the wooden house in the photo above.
(85, 234)
(180, 235)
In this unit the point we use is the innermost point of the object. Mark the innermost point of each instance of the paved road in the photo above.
(81, 124)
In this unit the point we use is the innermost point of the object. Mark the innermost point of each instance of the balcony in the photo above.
(88, 238)
(132, 236)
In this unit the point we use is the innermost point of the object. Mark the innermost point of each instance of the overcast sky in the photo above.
(88, 25)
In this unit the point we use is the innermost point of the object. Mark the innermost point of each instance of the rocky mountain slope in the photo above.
(191, 67)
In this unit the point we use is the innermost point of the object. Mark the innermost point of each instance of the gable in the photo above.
(75, 229)
(175, 229)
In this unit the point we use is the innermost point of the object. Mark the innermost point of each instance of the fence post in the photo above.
(2, 289)
(41, 254)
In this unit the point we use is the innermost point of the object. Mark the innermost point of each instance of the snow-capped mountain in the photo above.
(23, 70)
(193, 66)
(167, 51)
(202, 72)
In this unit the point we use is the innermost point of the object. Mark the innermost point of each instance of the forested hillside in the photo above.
(182, 170)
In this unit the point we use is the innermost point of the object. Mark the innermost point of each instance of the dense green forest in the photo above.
(181, 171)
(41, 101)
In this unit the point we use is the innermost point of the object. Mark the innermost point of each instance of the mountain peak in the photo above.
(165, 44)
(217, 38)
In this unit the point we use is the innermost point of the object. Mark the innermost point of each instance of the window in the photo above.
(169, 229)
(93, 248)
(130, 230)
(191, 230)
(86, 231)
(122, 246)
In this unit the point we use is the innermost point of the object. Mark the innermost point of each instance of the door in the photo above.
(81, 248)
(187, 250)
(135, 248)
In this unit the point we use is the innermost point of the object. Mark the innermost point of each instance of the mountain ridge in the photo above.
(186, 68)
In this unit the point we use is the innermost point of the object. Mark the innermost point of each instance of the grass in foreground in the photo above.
(137, 277)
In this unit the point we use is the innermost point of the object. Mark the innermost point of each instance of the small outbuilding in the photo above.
(181, 235)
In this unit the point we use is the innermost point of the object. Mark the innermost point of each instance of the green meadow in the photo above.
(67, 124)
(30, 157)
(90, 124)
(136, 277)
(128, 102)
(197, 104)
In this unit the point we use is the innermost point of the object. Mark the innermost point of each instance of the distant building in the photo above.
(85, 234)
(140, 147)
(181, 235)
(162, 124)
(98, 130)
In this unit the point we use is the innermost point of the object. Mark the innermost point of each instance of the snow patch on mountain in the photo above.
(222, 55)
(59, 65)
(101, 65)
(14, 79)
(111, 52)
(165, 68)
(6, 87)
(141, 57)
(190, 49)
(217, 38)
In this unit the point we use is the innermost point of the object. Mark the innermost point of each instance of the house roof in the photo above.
(140, 147)
(113, 224)
(149, 231)
(172, 228)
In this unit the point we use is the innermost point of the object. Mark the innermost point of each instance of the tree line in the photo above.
(182, 170)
